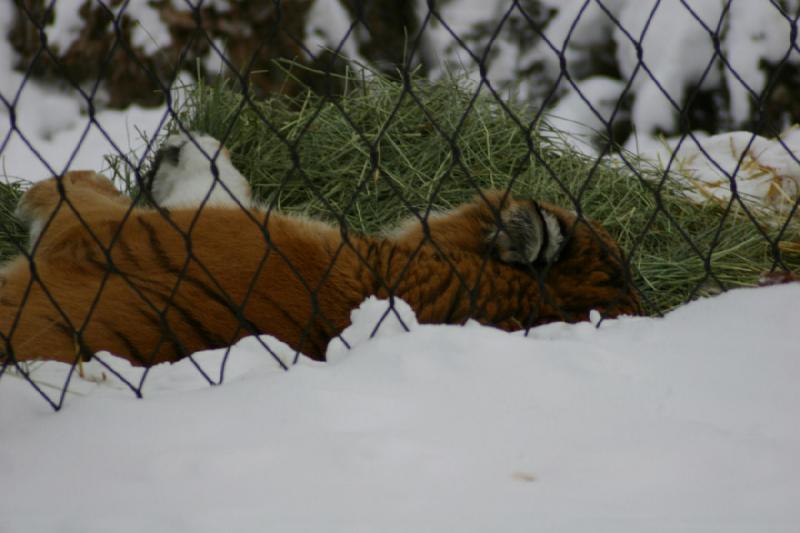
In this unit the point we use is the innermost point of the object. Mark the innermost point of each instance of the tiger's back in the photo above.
(155, 290)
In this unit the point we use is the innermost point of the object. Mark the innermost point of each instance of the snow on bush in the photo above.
(603, 39)
(678, 57)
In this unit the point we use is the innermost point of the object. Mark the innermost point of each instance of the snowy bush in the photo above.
(682, 82)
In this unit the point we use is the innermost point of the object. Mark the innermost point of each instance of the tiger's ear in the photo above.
(528, 234)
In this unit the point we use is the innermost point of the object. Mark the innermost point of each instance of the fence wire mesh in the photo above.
(484, 171)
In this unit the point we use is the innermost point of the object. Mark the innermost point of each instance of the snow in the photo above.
(51, 130)
(329, 27)
(581, 115)
(149, 31)
(65, 28)
(67, 139)
(576, 27)
(390, 319)
(767, 171)
(677, 49)
(214, 62)
(686, 423)
(764, 33)
(677, 52)
(451, 21)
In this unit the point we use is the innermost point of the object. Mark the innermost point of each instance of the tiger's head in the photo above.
(573, 264)
(580, 263)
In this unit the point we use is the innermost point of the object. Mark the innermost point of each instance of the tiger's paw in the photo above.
(194, 169)
(527, 234)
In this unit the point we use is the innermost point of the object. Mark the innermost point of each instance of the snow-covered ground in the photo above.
(685, 423)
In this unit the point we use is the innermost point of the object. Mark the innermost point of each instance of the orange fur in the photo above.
(152, 288)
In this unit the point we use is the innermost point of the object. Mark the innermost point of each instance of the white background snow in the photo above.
(685, 423)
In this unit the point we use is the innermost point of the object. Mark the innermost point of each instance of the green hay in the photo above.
(12, 235)
(308, 155)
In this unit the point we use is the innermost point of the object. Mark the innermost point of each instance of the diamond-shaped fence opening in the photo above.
(514, 163)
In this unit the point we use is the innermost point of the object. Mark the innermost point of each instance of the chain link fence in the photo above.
(485, 169)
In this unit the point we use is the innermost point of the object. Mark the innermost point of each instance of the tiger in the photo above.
(154, 284)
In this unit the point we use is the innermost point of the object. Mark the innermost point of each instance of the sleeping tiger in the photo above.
(207, 266)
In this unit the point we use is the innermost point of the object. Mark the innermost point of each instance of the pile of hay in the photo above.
(12, 235)
(386, 151)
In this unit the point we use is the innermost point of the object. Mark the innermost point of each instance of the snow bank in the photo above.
(682, 423)
(766, 171)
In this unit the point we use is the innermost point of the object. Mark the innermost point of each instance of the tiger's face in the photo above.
(576, 264)
(590, 271)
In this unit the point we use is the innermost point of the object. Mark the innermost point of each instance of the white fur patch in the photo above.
(191, 182)
(554, 236)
